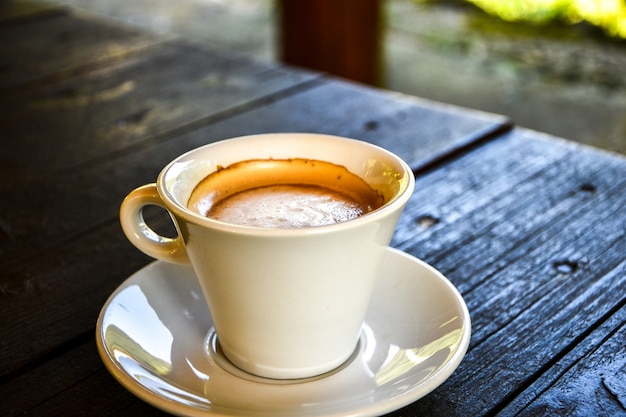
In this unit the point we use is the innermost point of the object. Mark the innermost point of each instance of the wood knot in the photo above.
(567, 266)
(588, 188)
(133, 119)
(371, 125)
(426, 221)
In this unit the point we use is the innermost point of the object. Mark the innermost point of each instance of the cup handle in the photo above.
(141, 235)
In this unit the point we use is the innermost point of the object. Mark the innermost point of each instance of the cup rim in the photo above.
(407, 185)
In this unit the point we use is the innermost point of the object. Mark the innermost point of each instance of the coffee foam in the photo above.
(286, 206)
(285, 193)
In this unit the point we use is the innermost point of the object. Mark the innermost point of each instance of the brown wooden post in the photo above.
(341, 37)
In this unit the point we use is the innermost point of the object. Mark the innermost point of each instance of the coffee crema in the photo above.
(283, 193)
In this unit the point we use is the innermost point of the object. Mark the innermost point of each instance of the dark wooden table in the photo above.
(530, 228)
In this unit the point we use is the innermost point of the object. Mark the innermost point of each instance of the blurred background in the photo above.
(557, 66)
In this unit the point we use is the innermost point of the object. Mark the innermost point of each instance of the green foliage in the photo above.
(610, 15)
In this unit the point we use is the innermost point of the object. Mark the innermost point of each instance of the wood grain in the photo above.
(88, 194)
(71, 378)
(84, 118)
(535, 276)
(48, 44)
(15, 12)
(594, 368)
(420, 131)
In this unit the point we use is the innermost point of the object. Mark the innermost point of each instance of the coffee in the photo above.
(283, 193)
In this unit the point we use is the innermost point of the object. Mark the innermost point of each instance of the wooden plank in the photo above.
(171, 88)
(588, 381)
(468, 184)
(548, 250)
(46, 46)
(16, 11)
(59, 295)
(550, 257)
(90, 194)
(68, 382)
(77, 201)
(420, 131)
(539, 222)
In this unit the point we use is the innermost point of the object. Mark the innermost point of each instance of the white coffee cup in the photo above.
(286, 303)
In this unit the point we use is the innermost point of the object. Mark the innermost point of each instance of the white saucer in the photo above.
(155, 336)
